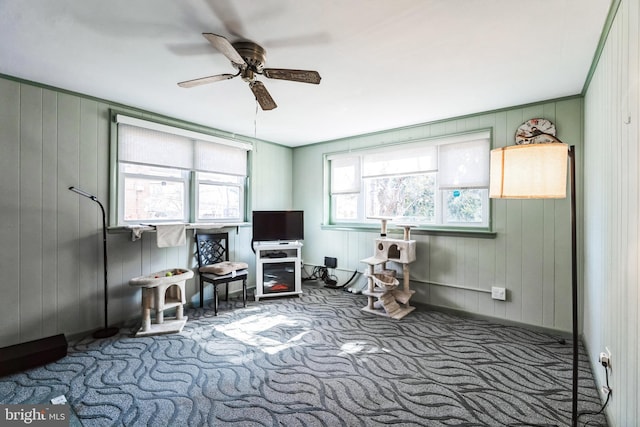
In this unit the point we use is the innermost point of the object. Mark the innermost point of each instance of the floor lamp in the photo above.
(539, 171)
(106, 331)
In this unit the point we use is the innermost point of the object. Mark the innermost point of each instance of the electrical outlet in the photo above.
(498, 293)
(330, 262)
(605, 361)
(605, 358)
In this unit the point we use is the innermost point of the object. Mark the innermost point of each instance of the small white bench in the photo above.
(161, 291)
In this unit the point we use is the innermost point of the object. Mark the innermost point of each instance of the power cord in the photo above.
(605, 364)
(344, 287)
(607, 388)
(322, 273)
(330, 280)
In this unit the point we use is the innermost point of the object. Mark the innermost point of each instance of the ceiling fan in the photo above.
(249, 58)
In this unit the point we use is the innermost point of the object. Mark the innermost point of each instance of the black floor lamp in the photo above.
(106, 331)
(539, 171)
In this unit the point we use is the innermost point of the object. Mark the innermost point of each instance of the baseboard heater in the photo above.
(20, 357)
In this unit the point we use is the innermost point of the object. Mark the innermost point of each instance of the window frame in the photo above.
(198, 180)
(184, 178)
(440, 225)
(188, 175)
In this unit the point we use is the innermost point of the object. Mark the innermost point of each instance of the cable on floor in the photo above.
(330, 280)
(322, 273)
(604, 405)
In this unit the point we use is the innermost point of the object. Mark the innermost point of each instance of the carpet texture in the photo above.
(317, 360)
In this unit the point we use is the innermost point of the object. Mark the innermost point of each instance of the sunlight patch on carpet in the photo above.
(361, 348)
(251, 330)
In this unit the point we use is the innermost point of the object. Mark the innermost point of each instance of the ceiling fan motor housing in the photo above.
(254, 55)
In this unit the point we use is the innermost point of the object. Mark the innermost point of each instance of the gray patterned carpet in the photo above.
(317, 360)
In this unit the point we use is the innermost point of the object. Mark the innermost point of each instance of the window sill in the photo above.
(480, 233)
(137, 230)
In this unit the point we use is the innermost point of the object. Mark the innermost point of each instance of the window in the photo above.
(153, 193)
(166, 174)
(219, 196)
(440, 183)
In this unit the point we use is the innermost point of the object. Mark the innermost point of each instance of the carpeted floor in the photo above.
(317, 360)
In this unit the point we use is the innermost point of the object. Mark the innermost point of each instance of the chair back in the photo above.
(212, 248)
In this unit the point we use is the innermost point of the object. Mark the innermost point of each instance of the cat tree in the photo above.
(384, 296)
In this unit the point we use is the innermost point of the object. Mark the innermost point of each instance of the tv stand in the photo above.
(276, 254)
(278, 269)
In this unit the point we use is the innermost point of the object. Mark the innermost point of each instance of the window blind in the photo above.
(345, 175)
(144, 145)
(464, 165)
(211, 157)
(139, 145)
(407, 161)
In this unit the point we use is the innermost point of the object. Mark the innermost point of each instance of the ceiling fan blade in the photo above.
(262, 95)
(303, 76)
(224, 46)
(205, 80)
(227, 13)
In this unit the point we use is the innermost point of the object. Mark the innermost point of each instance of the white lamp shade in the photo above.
(531, 171)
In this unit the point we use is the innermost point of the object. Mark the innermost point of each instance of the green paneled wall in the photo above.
(51, 239)
(530, 254)
(612, 208)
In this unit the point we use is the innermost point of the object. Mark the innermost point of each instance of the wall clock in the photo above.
(536, 131)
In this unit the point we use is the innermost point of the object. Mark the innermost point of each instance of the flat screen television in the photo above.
(277, 226)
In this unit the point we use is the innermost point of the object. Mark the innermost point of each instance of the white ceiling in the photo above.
(384, 63)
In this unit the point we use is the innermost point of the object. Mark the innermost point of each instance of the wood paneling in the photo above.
(10, 202)
(51, 238)
(71, 210)
(49, 231)
(31, 160)
(271, 177)
(530, 255)
(611, 212)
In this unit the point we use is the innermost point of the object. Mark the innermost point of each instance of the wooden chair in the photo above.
(215, 268)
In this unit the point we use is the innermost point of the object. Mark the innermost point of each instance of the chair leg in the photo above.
(201, 294)
(215, 299)
(244, 292)
(226, 291)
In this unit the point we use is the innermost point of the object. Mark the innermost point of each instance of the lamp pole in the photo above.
(106, 331)
(574, 284)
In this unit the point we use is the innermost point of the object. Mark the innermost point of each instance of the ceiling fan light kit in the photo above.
(249, 58)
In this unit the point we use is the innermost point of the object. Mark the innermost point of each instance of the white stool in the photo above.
(161, 291)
